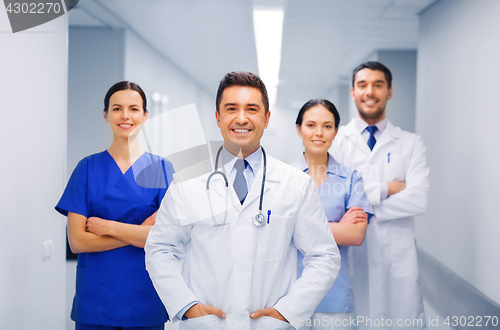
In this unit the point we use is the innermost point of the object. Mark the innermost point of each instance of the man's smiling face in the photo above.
(371, 93)
(242, 119)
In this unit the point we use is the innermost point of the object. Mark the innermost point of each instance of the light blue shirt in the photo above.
(254, 160)
(341, 190)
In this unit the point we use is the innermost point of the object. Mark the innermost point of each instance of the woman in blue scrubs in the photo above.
(346, 206)
(111, 200)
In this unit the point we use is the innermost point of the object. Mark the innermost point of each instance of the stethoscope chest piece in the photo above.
(259, 220)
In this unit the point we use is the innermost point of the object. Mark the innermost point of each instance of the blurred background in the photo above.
(444, 56)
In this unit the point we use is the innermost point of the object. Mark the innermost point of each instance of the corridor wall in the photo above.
(100, 57)
(33, 89)
(457, 116)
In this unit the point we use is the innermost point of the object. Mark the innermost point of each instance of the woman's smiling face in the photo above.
(125, 113)
(317, 130)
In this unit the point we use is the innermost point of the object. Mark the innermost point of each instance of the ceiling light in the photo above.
(268, 30)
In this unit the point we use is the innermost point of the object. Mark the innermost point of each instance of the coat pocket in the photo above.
(207, 322)
(394, 167)
(270, 323)
(274, 238)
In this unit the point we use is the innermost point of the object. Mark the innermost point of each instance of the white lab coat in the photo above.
(393, 284)
(237, 266)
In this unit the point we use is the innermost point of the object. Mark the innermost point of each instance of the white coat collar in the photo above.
(254, 160)
(272, 177)
(390, 133)
(361, 125)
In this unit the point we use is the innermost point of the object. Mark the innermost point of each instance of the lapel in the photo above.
(217, 186)
(272, 178)
(390, 134)
(355, 137)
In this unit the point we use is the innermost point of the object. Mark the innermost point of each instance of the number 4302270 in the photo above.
(471, 321)
(33, 8)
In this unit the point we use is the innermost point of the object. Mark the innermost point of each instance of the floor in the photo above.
(433, 319)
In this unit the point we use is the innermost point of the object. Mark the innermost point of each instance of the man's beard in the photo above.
(374, 115)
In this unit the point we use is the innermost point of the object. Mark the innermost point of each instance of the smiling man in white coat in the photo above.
(395, 175)
(239, 269)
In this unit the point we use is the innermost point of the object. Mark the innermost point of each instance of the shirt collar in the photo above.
(301, 164)
(361, 125)
(253, 160)
(334, 167)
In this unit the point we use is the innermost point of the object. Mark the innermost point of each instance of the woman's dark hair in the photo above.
(122, 86)
(311, 103)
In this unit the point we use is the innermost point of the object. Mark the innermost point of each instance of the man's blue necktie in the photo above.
(240, 183)
(371, 140)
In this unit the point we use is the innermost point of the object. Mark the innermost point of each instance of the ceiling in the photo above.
(323, 40)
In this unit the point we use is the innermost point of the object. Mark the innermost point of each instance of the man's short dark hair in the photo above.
(375, 66)
(244, 79)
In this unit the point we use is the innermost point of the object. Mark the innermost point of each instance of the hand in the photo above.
(199, 310)
(395, 187)
(98, 226)
(150, 221)
(271, 312)
(355, 214)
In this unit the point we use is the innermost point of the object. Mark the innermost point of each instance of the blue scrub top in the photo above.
(113, 287)
(341, 190)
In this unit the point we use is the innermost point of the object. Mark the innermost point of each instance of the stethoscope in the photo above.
(259, 218)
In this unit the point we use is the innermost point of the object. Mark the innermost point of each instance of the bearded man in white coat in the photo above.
(395, 175)
(237, 273)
